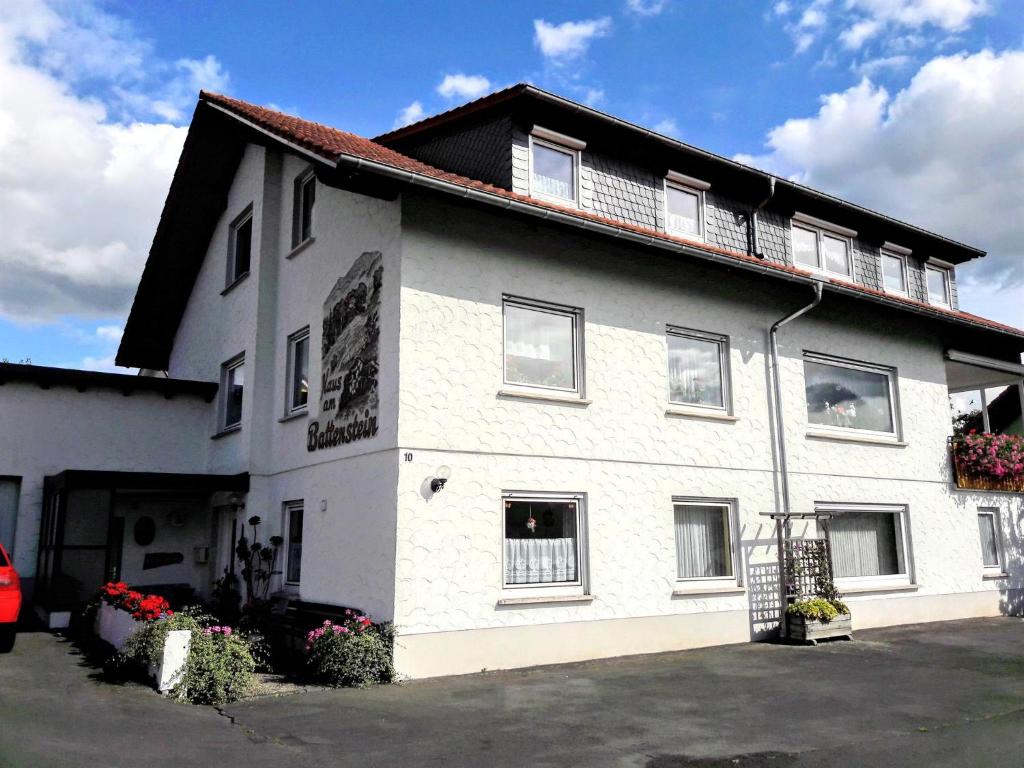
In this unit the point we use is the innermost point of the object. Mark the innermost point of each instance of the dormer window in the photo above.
(554, 166)
(894, 269)
(938, 285)
(684, 205)
(821, 246)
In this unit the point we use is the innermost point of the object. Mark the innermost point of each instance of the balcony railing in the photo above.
(988, 462)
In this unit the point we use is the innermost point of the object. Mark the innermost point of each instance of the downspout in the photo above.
(778, 424)
(753, 218)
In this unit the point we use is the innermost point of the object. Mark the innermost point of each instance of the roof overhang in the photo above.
(46, 377)
(967, 372)
(87, 479)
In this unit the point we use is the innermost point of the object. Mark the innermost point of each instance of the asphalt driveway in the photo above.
(947, 694)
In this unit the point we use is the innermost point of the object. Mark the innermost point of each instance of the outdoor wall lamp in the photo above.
(440, 478)
(236, 502)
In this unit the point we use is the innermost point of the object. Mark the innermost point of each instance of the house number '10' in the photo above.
(407, 456)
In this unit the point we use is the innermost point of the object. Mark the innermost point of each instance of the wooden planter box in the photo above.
(811, 630)
(978, 482)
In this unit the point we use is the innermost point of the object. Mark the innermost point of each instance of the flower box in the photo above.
(114, 626)
(988, 462)
(812, 630)
(978, 481)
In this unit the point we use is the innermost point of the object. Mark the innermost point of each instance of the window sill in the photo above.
(294, 416)
(994, 575)
(893, 442)
(544, 398)
(300, 247)
(227, 431)
(696, 591)
(231, 286)
(700, 413)
(866, 589)
(546, 599)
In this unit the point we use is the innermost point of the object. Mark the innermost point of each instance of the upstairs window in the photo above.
(542, 345)
(240, 247)
(232, 388)
(845, 396)
(298, 372)
(554, 166)
(894, 272)
(684, 205)
(698, 369)
(821, 246)
(938, 286)
(302, 210)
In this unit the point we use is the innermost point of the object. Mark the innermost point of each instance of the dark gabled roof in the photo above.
(220, 129)
(46, 377)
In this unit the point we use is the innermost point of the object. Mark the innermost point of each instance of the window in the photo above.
(293, 554)
(232, 386)
(938, 286)
(298, 372)
(703, 539)
(894, 272)
(820, 249)
(991, 549)
(697, 369)
(844, 395)
(542, 540)
(868, 543)
(542, 345)
(302, 210)
(554, 165)
(994, 409)
(684, 205)
(240, 246)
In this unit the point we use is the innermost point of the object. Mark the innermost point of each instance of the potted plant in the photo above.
(988, 461)
(816, 618)
(817, 611)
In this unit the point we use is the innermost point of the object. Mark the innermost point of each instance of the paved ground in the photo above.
(949, 694)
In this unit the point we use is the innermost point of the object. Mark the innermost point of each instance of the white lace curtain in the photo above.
(702, 541)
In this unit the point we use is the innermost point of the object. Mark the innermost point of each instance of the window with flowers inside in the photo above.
(845, 396)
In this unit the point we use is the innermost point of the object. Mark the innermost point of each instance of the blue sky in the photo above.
(914, 107)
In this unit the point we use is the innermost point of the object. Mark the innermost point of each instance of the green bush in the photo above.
(818, 608)
(352, 656)
(146, 643)
(220, 669)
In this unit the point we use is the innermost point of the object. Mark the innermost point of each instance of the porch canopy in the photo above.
(986, 394)
(82, 535)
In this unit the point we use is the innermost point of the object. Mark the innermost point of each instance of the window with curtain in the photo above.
(294, 515)
(866, 543)
(894, 273)
(819, 250)
(703, 541)
(541, 346)
(554, 171)
(542, 543)
(682, 210)
(849, 396)
(696, 369)
(988, 527)
(938, 286)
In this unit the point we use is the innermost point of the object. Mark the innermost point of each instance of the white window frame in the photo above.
(290, 408)
(558, 143)
(226, 368)
(1000, 566)
(731, 506)
(894, 252)
(891, 374)
(581, 586)
(298, 199)
(288, 508)
(694, 187)
(723, 363)
(945, 272)
(820, 229)
(246, 215)
(576, 314)
(903, 542)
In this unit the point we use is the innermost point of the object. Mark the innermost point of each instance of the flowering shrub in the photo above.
(354, 653)
(141, 607)
(217, 630)
(985, 453)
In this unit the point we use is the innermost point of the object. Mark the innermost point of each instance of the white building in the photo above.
(564, 318)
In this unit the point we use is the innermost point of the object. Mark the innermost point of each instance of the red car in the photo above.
(10, 601)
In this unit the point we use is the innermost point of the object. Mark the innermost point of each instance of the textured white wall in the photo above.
(622, 450)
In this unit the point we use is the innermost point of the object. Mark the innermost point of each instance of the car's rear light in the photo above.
(8, 579)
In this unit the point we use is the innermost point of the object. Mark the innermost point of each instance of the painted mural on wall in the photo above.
(350, 358)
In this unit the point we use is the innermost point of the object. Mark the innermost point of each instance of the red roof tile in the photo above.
(331, 143)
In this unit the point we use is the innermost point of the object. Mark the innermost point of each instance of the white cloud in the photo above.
(463, 86)
(668, 127)
(410, 114)
(83, 178)
(569, 40)
(646, 7)
(872, 67)
(946, 152)
(781, 8)
(593, 96)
